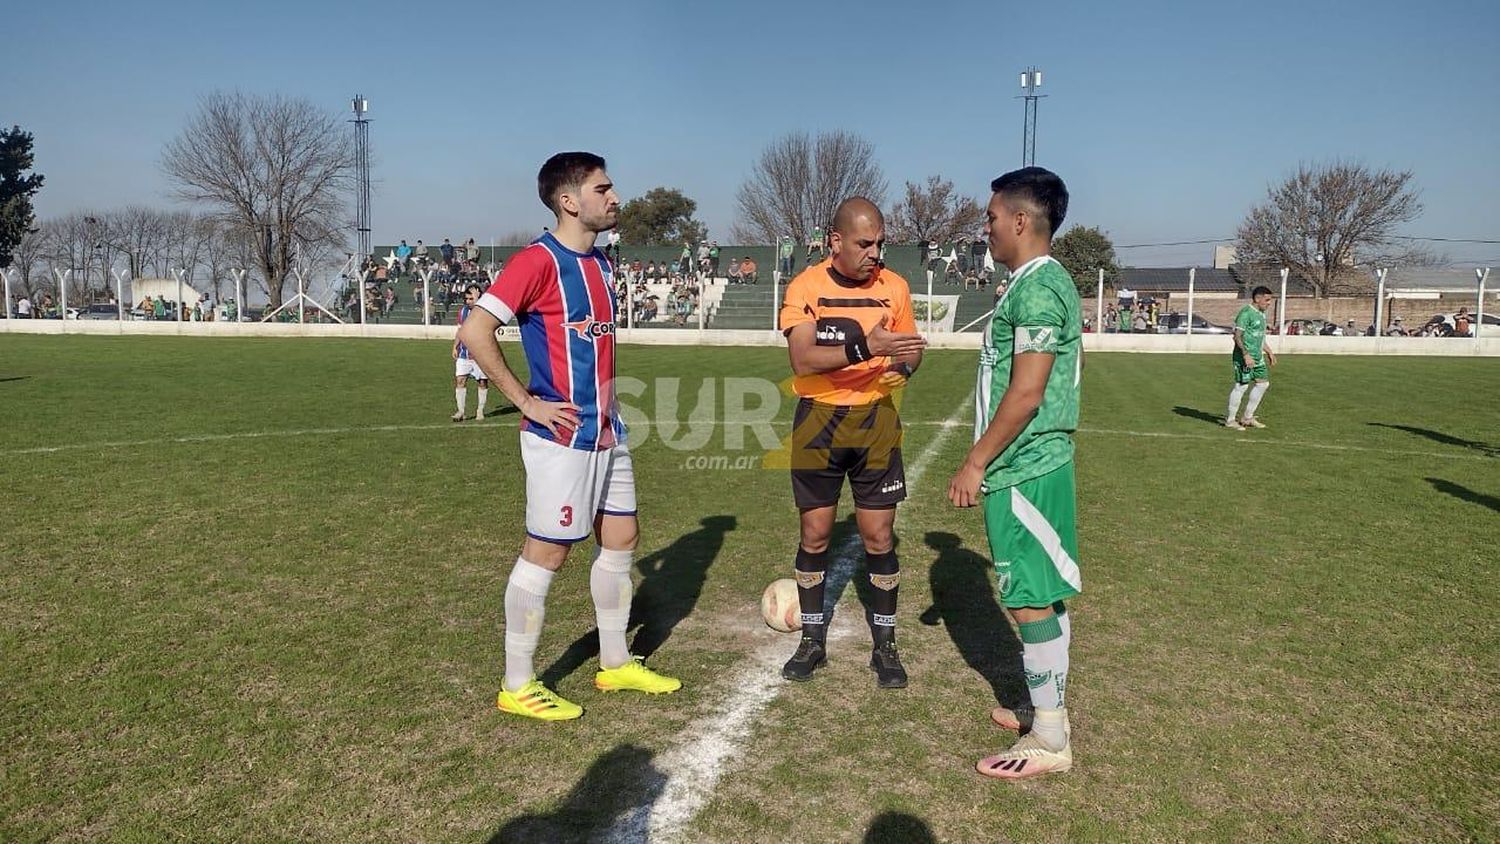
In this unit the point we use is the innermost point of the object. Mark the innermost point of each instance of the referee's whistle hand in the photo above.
(883, 341)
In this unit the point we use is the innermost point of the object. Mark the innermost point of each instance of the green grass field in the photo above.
(250, 590)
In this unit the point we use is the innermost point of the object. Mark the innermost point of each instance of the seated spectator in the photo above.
(734, 272)
(747, 270)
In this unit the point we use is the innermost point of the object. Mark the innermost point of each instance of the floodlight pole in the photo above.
(361, 123)
(1479, 312)
(1031, 79)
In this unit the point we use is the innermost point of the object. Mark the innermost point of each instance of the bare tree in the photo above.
(517, 237)
(799, 181)
(276, 169)
(28, 262)
(1322, 221)
(139, 234)
(934, 212)
(74, 242)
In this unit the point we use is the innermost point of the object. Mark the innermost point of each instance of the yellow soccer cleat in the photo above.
(637, 677)
(535, 700)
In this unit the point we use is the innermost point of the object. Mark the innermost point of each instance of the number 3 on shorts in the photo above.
(567, 516)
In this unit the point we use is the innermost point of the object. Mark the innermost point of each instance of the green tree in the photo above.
(663, 217)
(1083, 251)
(16, 215)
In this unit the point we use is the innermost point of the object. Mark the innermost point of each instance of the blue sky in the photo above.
(1167, 119)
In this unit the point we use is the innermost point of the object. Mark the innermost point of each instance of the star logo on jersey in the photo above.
(590, 329)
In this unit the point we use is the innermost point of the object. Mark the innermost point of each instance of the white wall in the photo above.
(1151, 343)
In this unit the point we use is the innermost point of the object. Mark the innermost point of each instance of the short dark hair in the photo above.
(1260, 290)
(473, 288)
(1040, 187)
(564, 170)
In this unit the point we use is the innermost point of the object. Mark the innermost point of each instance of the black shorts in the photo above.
(862, 442)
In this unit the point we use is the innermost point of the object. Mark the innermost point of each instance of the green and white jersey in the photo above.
(1251, 324)
(1040, 312)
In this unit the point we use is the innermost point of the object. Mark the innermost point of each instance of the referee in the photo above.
(852, 339)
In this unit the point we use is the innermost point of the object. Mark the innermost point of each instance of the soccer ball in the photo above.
(779, 606)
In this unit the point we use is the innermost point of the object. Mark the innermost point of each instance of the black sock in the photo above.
(885, 576)
(811, 571)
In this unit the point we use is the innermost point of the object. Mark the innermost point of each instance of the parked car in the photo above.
(1445, 323)
(1176, 323)
(100, 312)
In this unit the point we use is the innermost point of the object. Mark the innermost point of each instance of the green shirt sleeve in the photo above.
(1038, 314)
(1243, 320)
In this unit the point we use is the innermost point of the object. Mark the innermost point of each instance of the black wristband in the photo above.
(857, 351)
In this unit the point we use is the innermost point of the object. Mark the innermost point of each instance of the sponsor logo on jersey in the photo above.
(1041, 339)
(590, 329)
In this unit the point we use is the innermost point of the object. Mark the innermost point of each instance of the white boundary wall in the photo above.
(1151, 343)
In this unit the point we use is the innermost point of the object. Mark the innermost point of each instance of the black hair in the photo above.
(1040, 187)
(564, 170)
(473, 288)
(1261, 290)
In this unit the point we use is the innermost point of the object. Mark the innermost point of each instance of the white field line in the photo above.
(1236, 439)
(693, 767)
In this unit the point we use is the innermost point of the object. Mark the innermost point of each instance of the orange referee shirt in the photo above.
(843, 313)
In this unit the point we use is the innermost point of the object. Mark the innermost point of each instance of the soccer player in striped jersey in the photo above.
(464, 366)
(579, 478)
(1020, 467)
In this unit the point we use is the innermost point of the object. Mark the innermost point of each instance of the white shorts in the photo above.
(566, 487)
(467, 366)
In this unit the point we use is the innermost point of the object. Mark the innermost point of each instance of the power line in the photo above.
(1438, 239)
(1177, 243)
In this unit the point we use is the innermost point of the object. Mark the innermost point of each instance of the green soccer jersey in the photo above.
(1251, 324)
(1040, 312)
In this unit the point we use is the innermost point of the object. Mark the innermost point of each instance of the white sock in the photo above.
(1256, 394)
(1051, 726)
(484, 395)
(525, 607)
(609, 581)
(461, 395)
(1234, 400)
(1044, 655)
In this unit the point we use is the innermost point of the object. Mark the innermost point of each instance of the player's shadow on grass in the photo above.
(846, 558)
(1487, 449)
(1465, 494)
(1201, 415)
(14, 378)
(963, 601)
(615, 794)
(671, 583)
(502, 410)
(898, 828)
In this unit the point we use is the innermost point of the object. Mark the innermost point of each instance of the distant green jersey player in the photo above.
(1252, 360)
(1021, 464)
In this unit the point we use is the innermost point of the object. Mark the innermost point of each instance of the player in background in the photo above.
(464, 366)
(852, 340)
(1252, 360)
(579, 478)
(1021, 464)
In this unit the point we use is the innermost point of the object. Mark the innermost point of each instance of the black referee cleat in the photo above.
(886, 664)
(810, 656)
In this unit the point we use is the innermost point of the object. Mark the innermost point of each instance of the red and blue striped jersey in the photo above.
(564, 303)
(463, 314)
